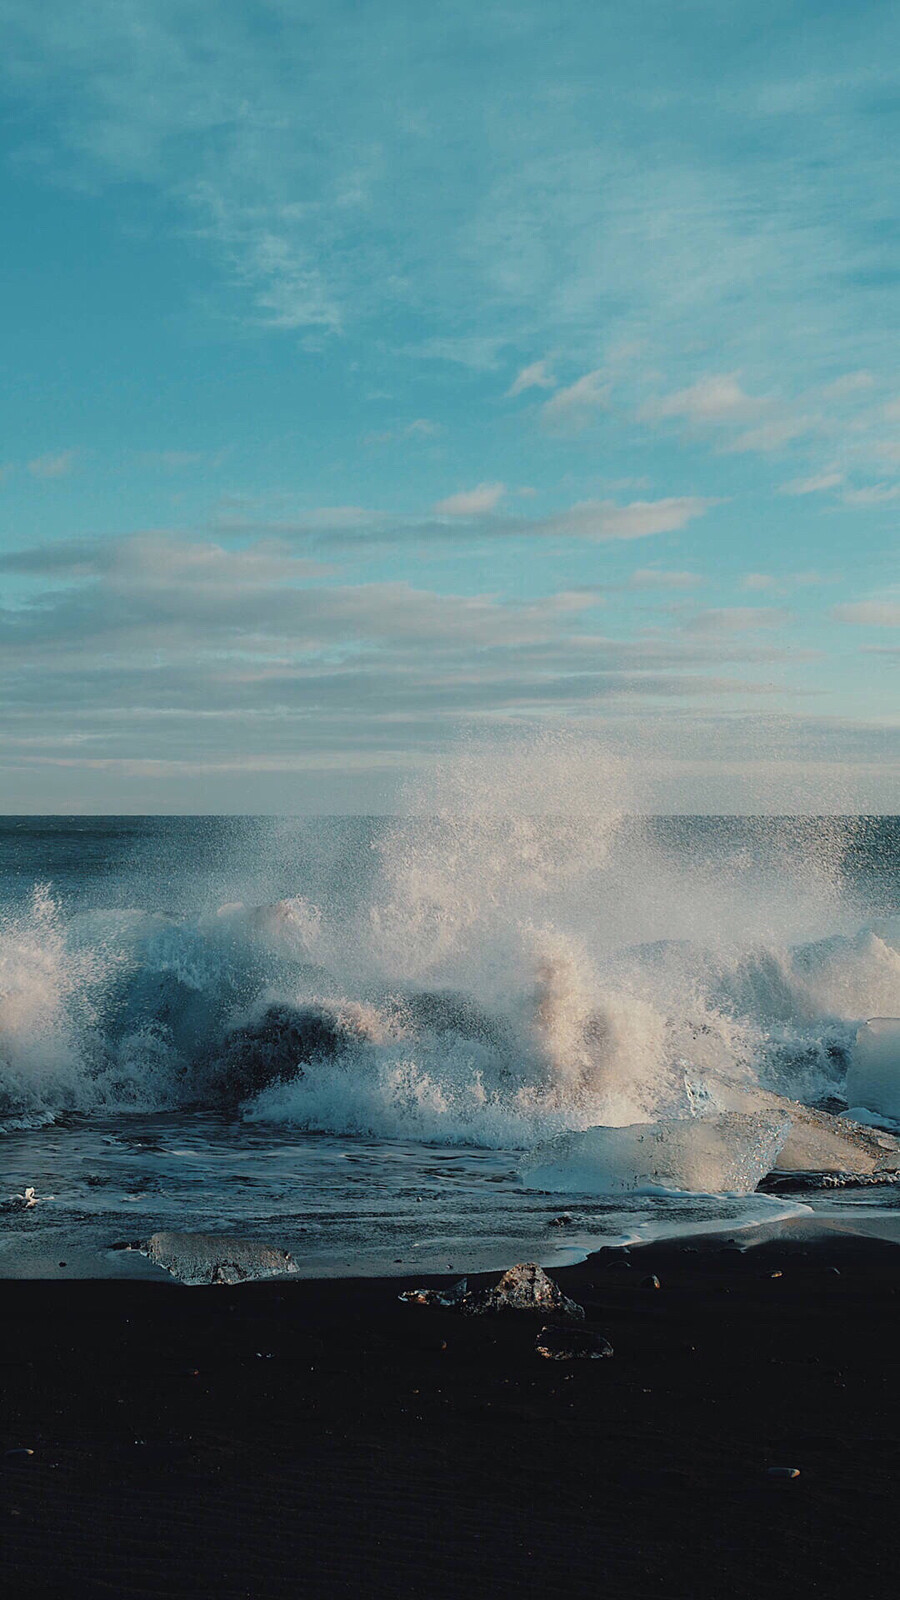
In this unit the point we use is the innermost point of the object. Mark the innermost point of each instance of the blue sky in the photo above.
(379, 376)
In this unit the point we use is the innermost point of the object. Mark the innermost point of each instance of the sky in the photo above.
(380, 379)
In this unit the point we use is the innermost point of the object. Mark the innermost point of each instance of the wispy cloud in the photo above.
(574, 406)
(818, 483)
(472, 502)
(772, 435)
(872, 494)
(869, 613)
(537, 376)
(738, 619)
(604, 519)
(190, 638)
(658, 578)
(53, 466)
(711, 400)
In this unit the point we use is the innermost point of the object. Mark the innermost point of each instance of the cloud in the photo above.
(711, 400)
(478, 351)
(771, 436)
(849, 384)
(351, 526)
(719, 402)
(471, 502)
(817, 484)
(158, 647)
(738, 619)
(656, 578)
(53, 466)
(534, 377)
(604, 519)
(874, 494)
(422, 428)
(869, 613)
(573, 407)
(758, 581)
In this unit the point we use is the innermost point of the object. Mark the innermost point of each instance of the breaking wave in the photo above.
(515, 957)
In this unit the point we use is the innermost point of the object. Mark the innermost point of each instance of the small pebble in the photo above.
(651, 1283)
(776, 1274)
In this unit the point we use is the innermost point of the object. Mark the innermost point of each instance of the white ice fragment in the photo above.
(818, 1144)
(821, 1143)
(725, 1153)
(449, 1299)
(874, 1077)
(196, 1258)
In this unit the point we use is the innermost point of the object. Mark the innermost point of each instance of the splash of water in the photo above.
(516, 955)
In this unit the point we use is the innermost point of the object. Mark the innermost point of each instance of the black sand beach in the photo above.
(319, 1438)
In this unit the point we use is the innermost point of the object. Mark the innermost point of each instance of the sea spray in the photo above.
(517, 955)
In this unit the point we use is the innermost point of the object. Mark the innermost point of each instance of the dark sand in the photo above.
(319, 1439)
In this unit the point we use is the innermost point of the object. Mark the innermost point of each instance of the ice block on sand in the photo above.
(725, 1153)
(196, 1258)
(874, 1077)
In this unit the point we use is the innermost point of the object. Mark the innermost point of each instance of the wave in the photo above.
(495, 973)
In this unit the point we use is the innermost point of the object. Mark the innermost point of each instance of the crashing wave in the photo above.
(490, 976)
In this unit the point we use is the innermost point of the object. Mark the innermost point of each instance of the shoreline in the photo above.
(316, 1437)
(37, 1261)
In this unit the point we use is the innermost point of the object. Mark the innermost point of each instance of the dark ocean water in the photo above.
(343, 1033)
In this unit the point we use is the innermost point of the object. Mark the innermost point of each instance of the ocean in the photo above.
(348, 1037)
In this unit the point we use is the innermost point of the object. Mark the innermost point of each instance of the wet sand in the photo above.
(319, 1438)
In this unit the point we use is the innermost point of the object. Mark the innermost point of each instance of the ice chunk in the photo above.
(726, 1153)
(819, 1143)
(196, 1258)
(451, 1299)
(874, 1077)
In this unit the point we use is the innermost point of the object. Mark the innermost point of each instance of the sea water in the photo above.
(348, 1036)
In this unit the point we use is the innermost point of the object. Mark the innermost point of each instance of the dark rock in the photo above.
(524, 1287)
(274, 1046)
